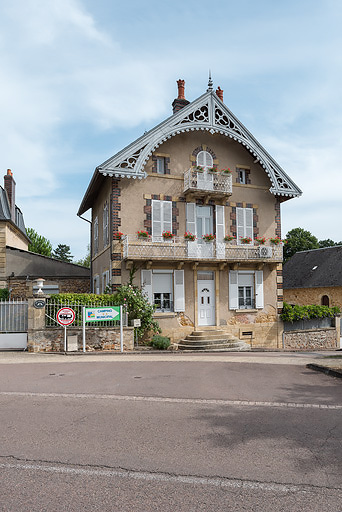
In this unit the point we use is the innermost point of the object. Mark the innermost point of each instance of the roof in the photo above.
(5, 212)
(26, 263)
(313, 269)
(206, 113)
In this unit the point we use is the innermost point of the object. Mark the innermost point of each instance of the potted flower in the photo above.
(189, 236)
(212, 170)
(118, 235)
(226, 171)
(167, 235)
(261, 240)
(209, 237)
(276, 240)
(143, 234)
(228, 238)
(246, 239)
(198, 168)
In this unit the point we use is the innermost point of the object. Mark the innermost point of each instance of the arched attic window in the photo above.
(204, 159)
(325, 300)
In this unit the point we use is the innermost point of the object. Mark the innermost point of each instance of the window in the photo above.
(105, 281)
(160, 164)
(96, 284)
(244, 223)
(241, 176)
(105, 225)
(325, 300)
(204, 159)
(96, 235)
(161, 218)
(246, 290)
(164, 289)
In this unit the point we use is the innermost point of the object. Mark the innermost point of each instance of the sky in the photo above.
(81, 79)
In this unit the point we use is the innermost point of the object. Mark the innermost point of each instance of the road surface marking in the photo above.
(202, 401)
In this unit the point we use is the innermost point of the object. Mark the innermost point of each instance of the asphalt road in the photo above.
(169, 435)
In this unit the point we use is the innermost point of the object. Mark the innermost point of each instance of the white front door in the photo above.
(206, 302)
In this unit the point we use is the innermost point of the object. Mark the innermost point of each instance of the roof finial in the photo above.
(210, 82)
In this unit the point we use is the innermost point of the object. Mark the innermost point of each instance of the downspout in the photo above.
(90, 249)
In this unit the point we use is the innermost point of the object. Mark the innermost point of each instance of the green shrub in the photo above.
(160, 342)
(294, 313)
(4, 294)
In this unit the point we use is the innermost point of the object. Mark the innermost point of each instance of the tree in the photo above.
(328, 243)
(62, 253)
(39, 244)
(298, 239)
(85, 262)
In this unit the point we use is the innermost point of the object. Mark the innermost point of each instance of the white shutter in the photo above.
(179, 296)
(240, 224)
(233, 290)
(156, 218)
(146, 284)
(219, 223)
(166, 216)
(249, 222)
(191, 218)
(259, 289)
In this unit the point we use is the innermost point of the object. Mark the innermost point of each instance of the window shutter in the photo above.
(146, 284)
(167, 216)
(179, 296)
(233, 290)
(259, 289)
(249, 222)
(219, 223)
(191, 218)
(240, 224)
(156, 218)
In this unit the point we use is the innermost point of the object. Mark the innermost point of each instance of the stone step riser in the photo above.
(207, 342)
(210, 347)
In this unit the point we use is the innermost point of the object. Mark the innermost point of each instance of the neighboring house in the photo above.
(154, 185)
(314, 277)
(20, 267)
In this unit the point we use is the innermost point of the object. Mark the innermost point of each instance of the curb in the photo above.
(325, 369)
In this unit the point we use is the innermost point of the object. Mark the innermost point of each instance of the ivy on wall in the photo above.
(293, 313)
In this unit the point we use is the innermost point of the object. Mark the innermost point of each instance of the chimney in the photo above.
(219, 93)
(9, 184)
(180, 102)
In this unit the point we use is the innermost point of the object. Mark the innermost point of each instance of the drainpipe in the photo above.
(90, 249)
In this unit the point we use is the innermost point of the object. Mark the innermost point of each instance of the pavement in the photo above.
(329, 362)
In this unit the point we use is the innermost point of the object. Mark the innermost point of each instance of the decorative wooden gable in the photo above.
(207, 113)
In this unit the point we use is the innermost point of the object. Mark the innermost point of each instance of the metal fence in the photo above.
(52, 308)
(13, 316)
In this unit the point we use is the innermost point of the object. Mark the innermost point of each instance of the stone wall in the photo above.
(102, 339)
(303, 296)
(22, 288)
(311, 339)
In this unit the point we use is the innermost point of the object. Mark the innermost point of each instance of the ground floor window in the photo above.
(246, 289)
(164, 289)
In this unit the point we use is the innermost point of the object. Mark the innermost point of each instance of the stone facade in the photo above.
(311, 339)
(304, 296)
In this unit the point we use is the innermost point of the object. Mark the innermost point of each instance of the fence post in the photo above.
(36, 321)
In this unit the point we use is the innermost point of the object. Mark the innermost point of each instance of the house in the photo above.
(19, 267)
(314, 277)
(200, 172)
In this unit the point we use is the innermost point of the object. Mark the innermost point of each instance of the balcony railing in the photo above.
(157, 248)
(207, 182)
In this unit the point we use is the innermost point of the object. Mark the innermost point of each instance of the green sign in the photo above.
(102, 314)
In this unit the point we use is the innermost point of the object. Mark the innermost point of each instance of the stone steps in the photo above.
(213, 340)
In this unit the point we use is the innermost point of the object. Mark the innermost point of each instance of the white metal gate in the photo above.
(13, 324)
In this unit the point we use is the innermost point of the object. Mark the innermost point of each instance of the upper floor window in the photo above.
(204, 159)
(105, 224)
(160, 165)
(161, 217)
(242, 176)
(96, 235)
(244, 224)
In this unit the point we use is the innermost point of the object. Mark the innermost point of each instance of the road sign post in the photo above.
(65, 316)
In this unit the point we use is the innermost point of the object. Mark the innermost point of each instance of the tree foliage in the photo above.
(39, 244)
(62, 253)
(299, 239)
(328, 243)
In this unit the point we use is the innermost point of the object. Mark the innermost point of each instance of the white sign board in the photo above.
(100, 314)
(136, 322)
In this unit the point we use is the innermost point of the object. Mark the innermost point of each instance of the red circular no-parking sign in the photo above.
(65, 316)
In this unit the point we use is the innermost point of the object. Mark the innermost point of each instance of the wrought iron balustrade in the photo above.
(157, 248)
(214, 183)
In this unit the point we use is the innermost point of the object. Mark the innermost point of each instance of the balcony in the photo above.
(178, 249)
(215, 185)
